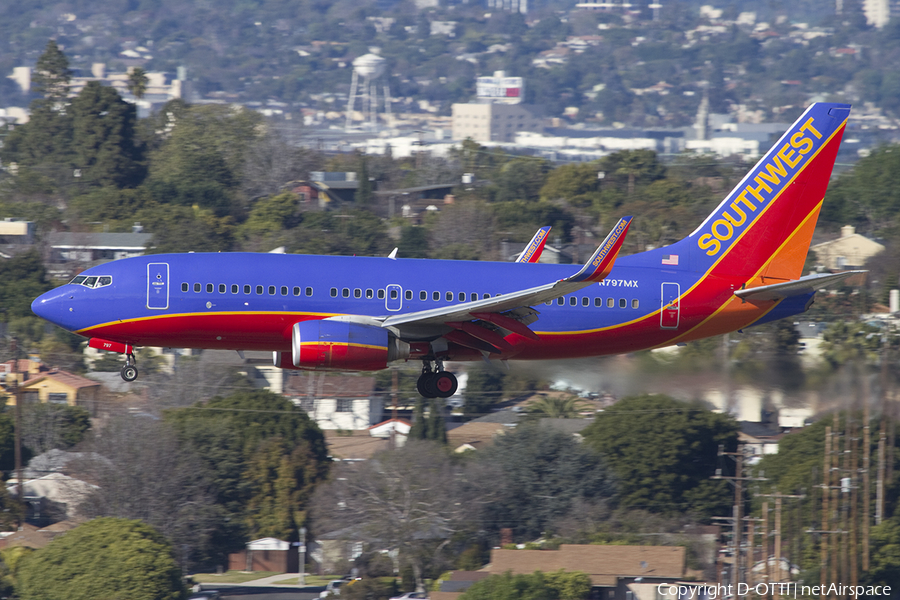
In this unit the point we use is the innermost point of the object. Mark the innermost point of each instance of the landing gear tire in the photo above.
(444, 384)
(129, 373)
(424, 387)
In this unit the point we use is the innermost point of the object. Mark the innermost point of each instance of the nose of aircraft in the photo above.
(55, 306)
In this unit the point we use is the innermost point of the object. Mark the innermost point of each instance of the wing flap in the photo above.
(804, 285)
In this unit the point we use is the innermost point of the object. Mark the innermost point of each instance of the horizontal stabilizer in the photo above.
(804, 285)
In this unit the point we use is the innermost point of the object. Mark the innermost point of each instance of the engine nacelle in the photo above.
(325, 345)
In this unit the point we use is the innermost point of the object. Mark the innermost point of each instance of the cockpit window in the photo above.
(93, 281)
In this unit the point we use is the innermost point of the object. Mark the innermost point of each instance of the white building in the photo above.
(849, 250)
(492, 122)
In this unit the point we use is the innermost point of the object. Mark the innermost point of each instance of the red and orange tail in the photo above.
(763, 228)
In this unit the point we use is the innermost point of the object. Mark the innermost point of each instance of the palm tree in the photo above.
(137, 82)
(556, 408)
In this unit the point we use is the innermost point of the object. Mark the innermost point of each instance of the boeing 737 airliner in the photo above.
(742, 266)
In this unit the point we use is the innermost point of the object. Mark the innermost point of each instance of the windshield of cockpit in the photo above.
(92, 281)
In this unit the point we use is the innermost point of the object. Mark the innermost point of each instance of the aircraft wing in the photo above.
(535, 247)
(457, 316)
(804, 285)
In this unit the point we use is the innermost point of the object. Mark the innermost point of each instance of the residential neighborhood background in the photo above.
(447, 130)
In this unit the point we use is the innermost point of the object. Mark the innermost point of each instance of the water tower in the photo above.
(370, 67)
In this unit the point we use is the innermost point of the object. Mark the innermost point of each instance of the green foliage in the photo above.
(103, 144)
(484, 387)
(370, 589)
(103, 559)
(664, 461)
(51, 74)
(885, 565)
(11, 559)
(534, 463)
(265, 456)
(137, 82)
(867, 196)
(553, 407)
(24, 279)
(351, 232)
(413, 242)
(851, 343)
(47, 426)
(558, 585)
(270, 215)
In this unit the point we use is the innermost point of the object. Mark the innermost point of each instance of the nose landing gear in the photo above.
(435, 382)
(129, 372)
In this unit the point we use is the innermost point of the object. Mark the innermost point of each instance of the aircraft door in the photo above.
(158, 286)
(670, 312)
(393, 297)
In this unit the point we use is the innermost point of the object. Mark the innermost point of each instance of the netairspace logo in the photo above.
(787, 589)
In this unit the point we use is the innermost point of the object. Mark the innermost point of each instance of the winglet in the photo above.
(535, 247)
(601, 263)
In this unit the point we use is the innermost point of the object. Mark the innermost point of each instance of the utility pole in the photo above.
(738, 510)
(778, 571)
(867, 478)
(301, 549)
(17, 396)
(826, 481)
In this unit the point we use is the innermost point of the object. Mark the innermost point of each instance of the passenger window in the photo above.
(296, 290)
(222, 288)
(560, 301)
(357, 293)
(610, 303)
(209, 288)
(381, 294)
(334, 292)
(259, 290)
(197, 288)
(309, 291)
(284, 290)
(549, 302)
(598, 302)
(235, 288)
(393, 294)
(184, 287)
(271, 290)
(345, 292)
(449, 296)
(408, 294)
(485, 296)
(473, 297)
(370, 293)
(461, 296)
(246, 289)
(423, 295)
(436, 296)
(635, 303)
(105, 280)
(585, 301)
(622, 303)
(573, 301)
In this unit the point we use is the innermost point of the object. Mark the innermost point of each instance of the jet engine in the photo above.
(325, 345)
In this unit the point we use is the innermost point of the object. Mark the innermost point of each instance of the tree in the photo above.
(24, 280)
(264, 455)
(663, 453)
(49, 426)
(137, 82)
(484, 387)
(413, 500)
(103, 141)
(52, 74)
(552, 407)
(557, 585)
(171, 493)
(436, 430)
(418, 431)
(538, 475)
(103, 558)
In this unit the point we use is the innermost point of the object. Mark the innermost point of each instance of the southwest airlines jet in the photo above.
(742, 266)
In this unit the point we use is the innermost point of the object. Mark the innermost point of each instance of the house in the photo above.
(848, 251)
(23, 369)
(56, 386)
(52, 498)
(97, 247)
(266, 554)
(396, 428)
(344, 402)
(474, 435)
(353, 445)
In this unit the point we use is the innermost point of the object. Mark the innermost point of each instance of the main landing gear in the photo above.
(129, 372)
(435, 382)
